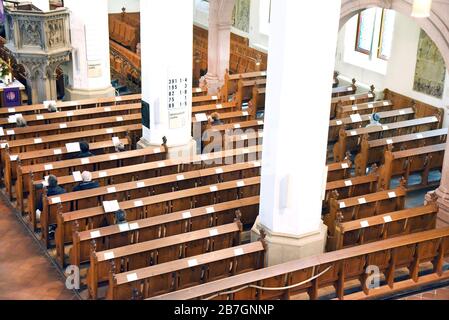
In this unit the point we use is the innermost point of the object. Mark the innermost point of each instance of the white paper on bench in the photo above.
(180, 177)
(241, 184)
(73, 147)
(370, 95)
(45, 182)
(109, 255)
(157, 150)
(237, 126)
(14, 157)
(370, 106)
(219, 106)
(57, 151)
(348, 183)
(353, 133)
(111, 206)
(219, 171)
(186, 215)
(350, 88)
(113, 157)
(239, 252)
(77, 176)
(201, 117)
(134, 226)
(56, 200)
(140, 184)
(119, 119)
(401, 112)
(434, 119)
(2, 133)
(12, 119)
(245, 113)
(131, 277)
(112, 190)
(385, 128)
(388, 219)
(386, 103)
(356, 118)
(48, 167)
(210, 210)
(138, 203)
(107, 109)
(115, 141)
(10, 132)
(70, 114)
(123, 227)
(38, 140)
(192, 263)
(161, 164)
(198, 90)
(102, 174)
(95, 234)
(392, 195)
(344, 166)
(260, 123)
(11, 110)
(342, 205)
(364, 224)
(85, 161)
(213, 189)
(352, 98)
(213, 232)
(389, 141)
(419, 136)
(3, 145)
(39, 117)
(362, 201)
(110, 130)
(118, 99)
(214, 98)
(339, 123)
(63, 126)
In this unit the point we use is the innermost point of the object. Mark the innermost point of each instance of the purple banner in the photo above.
(2, 12)
(11, 97)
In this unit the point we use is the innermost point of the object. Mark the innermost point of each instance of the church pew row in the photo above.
(364, 206)
(26, 175)
(412, 161)
(205, 100)
(339, 171)
(144, 188)
(156, 227)
(63, 117)
(343, 91)
(208, 109)
(245, 140)
(231, 81)
(72, 105)
(355, 121)
(344, 111)
(199, 92)
(71, 126)
(158, 205)
(337, 270)
(349, 140)
(218, 135)
(174, 167)
(347, 188)
(12, 161)
(386, 226)
(245, 89)
(373, 151)
(186, 273)
(351, 100)
(257, 102)
(155, 252)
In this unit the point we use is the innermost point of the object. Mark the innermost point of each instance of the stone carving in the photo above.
(30, 33)
(55, 32)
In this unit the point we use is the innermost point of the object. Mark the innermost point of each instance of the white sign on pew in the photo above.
(73, 147)
(111, 206)
(356, 118)
(201, 117)
(77, 176)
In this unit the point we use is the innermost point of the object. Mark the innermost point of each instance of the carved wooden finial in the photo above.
(354, 81)
(263, 234)
(339, 217)
(238, 215)
(432, 198)
(334, 195)
(374, 168)
(372, 88)
(403, 182)
(93, 246)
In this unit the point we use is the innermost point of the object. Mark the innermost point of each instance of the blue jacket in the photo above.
(86, 186)
(50, 193)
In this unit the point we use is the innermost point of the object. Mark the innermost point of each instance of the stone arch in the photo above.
(436, 26)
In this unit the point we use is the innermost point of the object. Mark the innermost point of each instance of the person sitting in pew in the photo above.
(215, 119)
(53, 189)
(120, 217)
(87, 182)
(85, 151)
(374, 121)
(21, 122)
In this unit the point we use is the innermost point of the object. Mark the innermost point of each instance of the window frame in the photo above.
(381, 36)
(357, 39)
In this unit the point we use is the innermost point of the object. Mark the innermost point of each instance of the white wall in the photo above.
(115, 6)
(400, 71)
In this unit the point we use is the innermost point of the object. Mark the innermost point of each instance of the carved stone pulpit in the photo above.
(40, 41)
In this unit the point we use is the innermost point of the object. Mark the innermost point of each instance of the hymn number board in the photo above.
(178, 101)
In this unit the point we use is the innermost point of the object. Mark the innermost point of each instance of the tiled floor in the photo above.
(25, 272)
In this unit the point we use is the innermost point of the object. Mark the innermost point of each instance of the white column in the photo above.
(300, 68)
(166, 46)
(219, 43)
(89, 72)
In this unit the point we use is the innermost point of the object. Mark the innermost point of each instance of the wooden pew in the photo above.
(198, 92)
(245, 140)
(373, 151)
(155, 252)
(12, 161)
(337, 270)
(364, 206)
(205, 100)
(257, 102)
(339, 171)
(369, 108)
(28, 174)
(226, 131)
(349, 140)
(83, 114)
(381, 227)
(344, 90)
(245, 90)
(355, 121)
(186, 273)
(144, 188)
(230, 85)
(157, 227)
(351, 100)
(208, 109)
(404, 163)
(72, 105)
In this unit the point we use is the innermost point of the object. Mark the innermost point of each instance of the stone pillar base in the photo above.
(213, 84)
(72, 94)
(442, 199)
(174, 152)
(283, 248)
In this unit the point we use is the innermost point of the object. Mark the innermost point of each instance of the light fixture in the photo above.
(421, 8)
